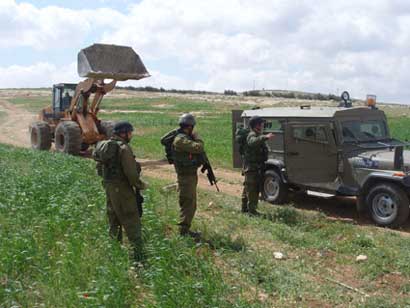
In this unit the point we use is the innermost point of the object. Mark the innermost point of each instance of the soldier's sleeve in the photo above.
(130, 166)
(182, 144)
(254, 141)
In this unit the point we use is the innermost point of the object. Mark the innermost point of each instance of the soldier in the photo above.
(255, 155)
(121, 175)
(188, 149)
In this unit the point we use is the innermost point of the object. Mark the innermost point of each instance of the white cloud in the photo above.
(50, 27)
(316, 46)
(41, 74)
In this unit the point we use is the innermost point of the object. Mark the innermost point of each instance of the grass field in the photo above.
(153, 117)
(55, 251)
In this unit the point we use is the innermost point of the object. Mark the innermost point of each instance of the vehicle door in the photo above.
(56, 99)
(311, 154)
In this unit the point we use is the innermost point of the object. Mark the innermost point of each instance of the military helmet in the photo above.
(187, 119)
(255, 120)
(122, 127)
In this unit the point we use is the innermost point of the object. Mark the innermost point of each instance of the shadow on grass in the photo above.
(286, 215)
(217, 241)
(336, 208)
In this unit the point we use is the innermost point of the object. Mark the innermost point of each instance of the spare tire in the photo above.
(40, 136)
(68, 137)
(107, 128)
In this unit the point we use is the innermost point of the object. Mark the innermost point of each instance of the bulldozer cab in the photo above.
(62, 95)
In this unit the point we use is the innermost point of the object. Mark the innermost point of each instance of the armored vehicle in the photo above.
(334, 150)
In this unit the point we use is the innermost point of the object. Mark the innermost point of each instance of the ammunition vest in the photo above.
(185, 162)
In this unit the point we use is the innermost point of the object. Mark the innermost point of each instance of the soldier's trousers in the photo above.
(251, 190)
(123, 213)
(187, 199)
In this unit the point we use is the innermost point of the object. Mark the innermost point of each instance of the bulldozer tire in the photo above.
(40, 136)
(107, 128)
(68, 138)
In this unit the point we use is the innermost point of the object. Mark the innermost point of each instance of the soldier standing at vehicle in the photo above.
(255, 155)
(188, 150)
(121, 175)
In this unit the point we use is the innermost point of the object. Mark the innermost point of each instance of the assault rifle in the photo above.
(139, 201)
(209, 172)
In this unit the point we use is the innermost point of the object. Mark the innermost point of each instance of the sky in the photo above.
(309, 45)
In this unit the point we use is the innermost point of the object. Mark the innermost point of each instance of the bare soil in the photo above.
(14, 129)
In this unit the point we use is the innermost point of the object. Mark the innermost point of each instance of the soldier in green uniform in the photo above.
(255, 155)
(121, 175)
(188, 150)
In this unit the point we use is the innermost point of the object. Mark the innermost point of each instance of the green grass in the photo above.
(55, 251)
(399, 128)
(161, 115)
(33, 104)
(150, 127)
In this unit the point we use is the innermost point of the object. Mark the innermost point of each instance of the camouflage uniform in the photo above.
(187, 159)
(120, 177)
(255, 155)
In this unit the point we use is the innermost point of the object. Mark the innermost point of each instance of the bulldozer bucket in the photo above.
(102, 61)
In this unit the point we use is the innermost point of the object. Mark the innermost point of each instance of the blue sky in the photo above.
(316, 46)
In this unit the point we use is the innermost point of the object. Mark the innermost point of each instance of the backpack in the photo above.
(240, 137)
(167, 141)
(105, 151)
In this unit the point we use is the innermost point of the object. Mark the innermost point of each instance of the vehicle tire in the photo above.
(68, 137)
(40, 136)
(107, 128)
(274, 190)
(388, 205)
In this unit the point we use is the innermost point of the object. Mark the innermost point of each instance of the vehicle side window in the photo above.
(310, 133)
(272, 125)
(321, 134)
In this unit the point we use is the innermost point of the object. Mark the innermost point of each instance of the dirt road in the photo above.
(14, 126)
(14, 131)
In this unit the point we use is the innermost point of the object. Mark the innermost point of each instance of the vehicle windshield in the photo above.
(364, 131)
(68, 92)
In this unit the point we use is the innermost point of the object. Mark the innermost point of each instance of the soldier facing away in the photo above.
(255, 155)
(187, 152)
(121, 180)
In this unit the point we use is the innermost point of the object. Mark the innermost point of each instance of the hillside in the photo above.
(55, 251)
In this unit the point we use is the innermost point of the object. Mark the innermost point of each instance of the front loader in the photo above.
(71, 121)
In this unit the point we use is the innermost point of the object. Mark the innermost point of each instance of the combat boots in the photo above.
(187, 232)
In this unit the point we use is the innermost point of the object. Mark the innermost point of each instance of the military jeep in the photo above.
(337, 151)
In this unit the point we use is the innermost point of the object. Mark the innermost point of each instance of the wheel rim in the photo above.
(271, 187)
(384, 207)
